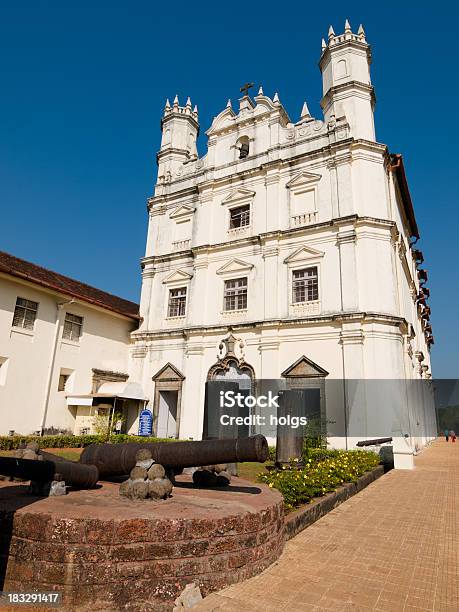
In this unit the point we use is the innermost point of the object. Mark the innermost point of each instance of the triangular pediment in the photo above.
(182, 211)
(168, 372)
(178, 276)
(235, 265)
(304, 179)
(303, 254)
(304, 368)
(238, 195)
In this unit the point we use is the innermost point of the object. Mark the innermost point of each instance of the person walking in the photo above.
(447, 434)
(452, 435)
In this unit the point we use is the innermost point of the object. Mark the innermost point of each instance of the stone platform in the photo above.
(106, 552)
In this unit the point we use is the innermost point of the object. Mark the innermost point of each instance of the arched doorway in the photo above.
(230, 373)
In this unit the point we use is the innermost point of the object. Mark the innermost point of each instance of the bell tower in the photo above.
(180, 129)
(347, 89)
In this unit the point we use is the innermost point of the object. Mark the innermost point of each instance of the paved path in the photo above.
(394, 546)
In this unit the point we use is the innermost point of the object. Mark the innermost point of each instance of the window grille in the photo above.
(235, 297)
(177, 302)
(240, 216)
(305, 285)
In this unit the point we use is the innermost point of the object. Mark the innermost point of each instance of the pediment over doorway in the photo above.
(304, 368)
(168, 372)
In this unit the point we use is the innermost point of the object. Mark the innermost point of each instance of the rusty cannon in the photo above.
(113, 460)
(48, 473)
(75, 474)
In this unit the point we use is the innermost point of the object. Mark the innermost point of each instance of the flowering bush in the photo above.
(323, 471)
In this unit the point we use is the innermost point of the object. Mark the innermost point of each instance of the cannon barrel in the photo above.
(119, 459)
(27, 469)
(74, 473)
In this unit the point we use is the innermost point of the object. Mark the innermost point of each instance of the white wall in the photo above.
(103, 345)
(365, 324)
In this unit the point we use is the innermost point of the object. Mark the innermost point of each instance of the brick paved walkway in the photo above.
(394, 546)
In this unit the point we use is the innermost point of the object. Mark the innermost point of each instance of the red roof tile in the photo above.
(68, 286)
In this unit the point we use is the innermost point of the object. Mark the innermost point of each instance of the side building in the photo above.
(285, 252)
(63, 352)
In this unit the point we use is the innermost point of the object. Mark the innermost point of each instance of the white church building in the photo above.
(286, 251)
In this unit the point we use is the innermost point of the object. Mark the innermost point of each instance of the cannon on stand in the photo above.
(114, 460)
(153, 466)
(50, 474)
(144, 462)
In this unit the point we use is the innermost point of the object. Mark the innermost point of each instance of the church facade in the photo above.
(286, 251)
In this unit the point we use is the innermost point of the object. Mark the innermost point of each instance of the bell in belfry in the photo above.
(244, 150)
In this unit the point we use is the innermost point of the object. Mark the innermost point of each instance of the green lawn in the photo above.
(251, 469)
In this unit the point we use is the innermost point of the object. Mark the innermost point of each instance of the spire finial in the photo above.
(188, 102)
(168, 104)
(228, 104)
(276, 97)
(361, 32)
(331, 33)
(260, 91)
(347, 26)
(305, 111)
(176, 100)
(324, 45)
(195, 110)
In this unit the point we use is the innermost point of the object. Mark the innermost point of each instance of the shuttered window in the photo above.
(73, 326)
(25, 313)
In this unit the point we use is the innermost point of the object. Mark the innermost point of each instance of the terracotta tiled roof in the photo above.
(68, 286)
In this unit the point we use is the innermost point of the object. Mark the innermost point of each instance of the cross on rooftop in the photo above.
(245, 88)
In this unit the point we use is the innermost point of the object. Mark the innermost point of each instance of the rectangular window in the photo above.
(63, 378)
(177, 302)
(235, 297)
(25, 313)
(305, 285)
(72, 327)
(240, 216)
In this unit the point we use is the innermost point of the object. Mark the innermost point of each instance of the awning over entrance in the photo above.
(121, 390)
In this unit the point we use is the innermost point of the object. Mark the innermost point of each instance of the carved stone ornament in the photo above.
(231, 347)
(230, 353)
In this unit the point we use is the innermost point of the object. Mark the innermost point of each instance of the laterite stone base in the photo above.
(105, 552)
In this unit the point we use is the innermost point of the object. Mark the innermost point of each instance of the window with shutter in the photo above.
(25, 313)
(73, 326)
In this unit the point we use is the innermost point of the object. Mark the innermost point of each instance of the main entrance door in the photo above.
(223, 377)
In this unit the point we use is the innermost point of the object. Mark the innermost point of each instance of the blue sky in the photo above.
(83, 88)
